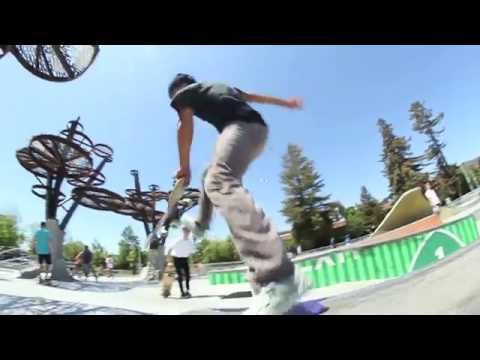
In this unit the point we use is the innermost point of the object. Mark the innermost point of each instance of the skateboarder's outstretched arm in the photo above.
(184, 139)
(263, 99)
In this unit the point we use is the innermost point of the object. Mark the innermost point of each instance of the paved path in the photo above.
(128, 296)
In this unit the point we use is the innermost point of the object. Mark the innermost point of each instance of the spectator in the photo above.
(41, 241)
(109, 265)
(86, 257)
(432, 197)
(181, 251)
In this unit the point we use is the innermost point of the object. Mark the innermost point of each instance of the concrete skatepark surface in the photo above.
(451, 286)
(127, 296)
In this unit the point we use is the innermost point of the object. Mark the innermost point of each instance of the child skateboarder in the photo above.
(242, 137)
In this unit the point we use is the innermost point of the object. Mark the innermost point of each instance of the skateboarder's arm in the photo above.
(184, 139)
(263, 99)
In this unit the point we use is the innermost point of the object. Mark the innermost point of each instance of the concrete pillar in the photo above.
(59, 267)
(156, 262)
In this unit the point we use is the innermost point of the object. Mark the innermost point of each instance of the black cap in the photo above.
(180, 80)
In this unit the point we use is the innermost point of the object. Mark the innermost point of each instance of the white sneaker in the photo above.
(278, 297)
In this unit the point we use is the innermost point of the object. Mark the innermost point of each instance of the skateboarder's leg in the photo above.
(255, 238)
(187, 275)
(205, 205)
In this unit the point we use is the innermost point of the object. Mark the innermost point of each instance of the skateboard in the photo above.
(168, 279)
(171, 213)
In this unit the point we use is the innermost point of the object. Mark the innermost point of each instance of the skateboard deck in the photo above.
(167, 280)
(175, 195)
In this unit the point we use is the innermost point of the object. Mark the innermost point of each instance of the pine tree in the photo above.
(304, 206)
(401, 168)
(449, 177)
(424, 123)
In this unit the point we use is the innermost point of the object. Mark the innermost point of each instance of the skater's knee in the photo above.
(219, 181)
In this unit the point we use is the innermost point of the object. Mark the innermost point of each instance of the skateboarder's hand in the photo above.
(184, 173)
(295, 103)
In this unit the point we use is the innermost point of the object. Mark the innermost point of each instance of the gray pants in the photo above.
(254, 236)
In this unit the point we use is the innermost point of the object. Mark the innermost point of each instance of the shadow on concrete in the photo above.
(16, 305)
(238, 295)
(93, 286)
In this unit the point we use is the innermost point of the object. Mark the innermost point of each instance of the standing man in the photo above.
(242, 137)
(181, 251)
(87, 257)
(41, 242)
(432, 197)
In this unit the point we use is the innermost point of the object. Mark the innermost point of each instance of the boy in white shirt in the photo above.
(181, 251)
(432, 197)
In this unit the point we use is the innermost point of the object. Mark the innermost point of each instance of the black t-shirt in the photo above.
(217, 104)
(86, 256)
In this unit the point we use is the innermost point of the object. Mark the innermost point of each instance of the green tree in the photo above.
(402, 170)
(370, 209)
(214, 251)
(144, 258)
(99, 254)
(71, 249)
(133, 259)
(304, 206)
(198, 256)
(10, 236)
(129, 241)
(129, 250)
(356, 222)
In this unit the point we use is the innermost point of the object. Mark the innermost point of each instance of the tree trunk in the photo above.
(59, 267)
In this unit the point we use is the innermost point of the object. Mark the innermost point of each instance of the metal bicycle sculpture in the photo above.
(59, 63)
(53, 159)
(138, 204)
(58, 159)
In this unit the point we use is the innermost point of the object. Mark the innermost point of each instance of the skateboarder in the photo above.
(242, 138)
(41, 242)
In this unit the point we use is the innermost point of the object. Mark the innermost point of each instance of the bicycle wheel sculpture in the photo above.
(59, 63)
(98, 199)
(67, 156)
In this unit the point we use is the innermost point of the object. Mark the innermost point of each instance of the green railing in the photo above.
(379, 261)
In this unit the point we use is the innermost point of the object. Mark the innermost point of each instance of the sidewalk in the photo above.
(128, 296)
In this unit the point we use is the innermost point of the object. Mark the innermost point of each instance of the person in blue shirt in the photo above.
(42, 247)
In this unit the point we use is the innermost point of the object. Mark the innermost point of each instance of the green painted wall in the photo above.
(383, 261)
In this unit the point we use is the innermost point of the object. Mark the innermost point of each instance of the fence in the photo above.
(378, 261)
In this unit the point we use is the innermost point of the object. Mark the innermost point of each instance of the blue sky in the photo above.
(122, 100)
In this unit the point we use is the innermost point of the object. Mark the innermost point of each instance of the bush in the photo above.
(214, 251)
(71, 249)
(9, 234)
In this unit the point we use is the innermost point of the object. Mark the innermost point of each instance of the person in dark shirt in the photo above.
(86, 257)
(242, 138)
